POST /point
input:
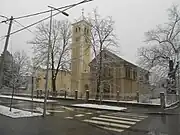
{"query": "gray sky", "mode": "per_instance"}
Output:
(132, 18)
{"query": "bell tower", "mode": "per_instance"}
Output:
(81, 53)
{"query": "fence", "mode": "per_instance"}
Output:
(114, 96)
(165, 100)
(145, 98)
(171, 98)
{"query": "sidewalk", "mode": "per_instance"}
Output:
(131, 106)
(26, 99)
(51, 125)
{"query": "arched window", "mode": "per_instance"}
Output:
(85, 30)
(76, 29)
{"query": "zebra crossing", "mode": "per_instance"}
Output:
(117, 123)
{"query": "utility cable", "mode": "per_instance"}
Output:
(24, 27)
(44, 19)
(42, 12)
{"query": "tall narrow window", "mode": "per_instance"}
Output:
(77, 39)
(128, 73)
(109, 71)
(119, 72)
(134, 75)
(84, 30)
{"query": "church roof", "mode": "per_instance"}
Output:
(110, 54)
(81, 21)
(118, 59)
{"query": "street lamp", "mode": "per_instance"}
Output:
(47, 66)
(64, 13)
(4, 17)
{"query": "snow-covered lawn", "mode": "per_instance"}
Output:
(103, 107)
(26, 98)
(39, 109)
(16, 113)
(155, 101)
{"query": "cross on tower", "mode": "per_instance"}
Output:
(83, 13)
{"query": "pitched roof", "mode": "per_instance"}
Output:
(118, 58)
(114, 56)
(80, 22)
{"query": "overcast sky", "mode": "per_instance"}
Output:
(132, 18)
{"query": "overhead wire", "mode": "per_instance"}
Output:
(43, 12)
(68, 7)
(2, 38)
(24, 27)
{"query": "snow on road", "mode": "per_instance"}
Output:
(103, 107)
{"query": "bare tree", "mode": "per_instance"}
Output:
(60, 47)
(164, 45)
(164, 40)
(20, 69)
(102, 37)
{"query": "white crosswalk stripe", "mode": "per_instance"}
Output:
(107, 123)
(115, 123)
(89, 113)
(112, 120)
(79, 115)
(120, 118)
(131, 115)
(112, 129)
(68, 117)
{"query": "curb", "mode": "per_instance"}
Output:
(29, 100)
(161, 113)
(124, 104)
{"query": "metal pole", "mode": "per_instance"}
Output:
(178, 89)
(13, 84)
(32, 89)
(46, 84)
(4, 52)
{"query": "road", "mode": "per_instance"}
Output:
(67, 121)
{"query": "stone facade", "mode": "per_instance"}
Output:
(118, 75)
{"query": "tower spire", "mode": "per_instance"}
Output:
(83, 14)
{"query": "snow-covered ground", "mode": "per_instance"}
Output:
(150, 101)
(96, 106)
(155, 101)
(26, 98)
(132, 101)
(16, 113)
(39, 109)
